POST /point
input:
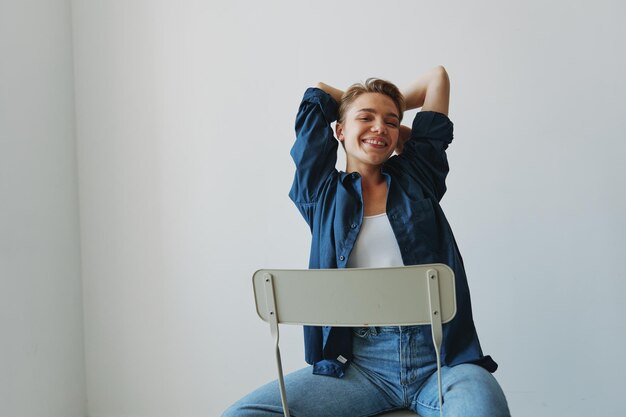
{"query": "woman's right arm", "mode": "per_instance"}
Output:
(335, 93)
(315, 149)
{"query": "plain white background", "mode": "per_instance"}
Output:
(180, 115)
(42, 370)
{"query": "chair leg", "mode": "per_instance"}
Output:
(271, 305)
(435, 325)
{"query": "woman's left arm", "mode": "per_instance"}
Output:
(430, 91)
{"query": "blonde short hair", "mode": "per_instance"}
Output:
(371, 85)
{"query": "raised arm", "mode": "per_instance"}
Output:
(430, 91)
(315, 150)
(335, 93)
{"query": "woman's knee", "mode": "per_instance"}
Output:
(476, 388)
(251, 410)
(470, 376)
(230, 412)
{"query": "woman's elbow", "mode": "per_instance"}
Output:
(440, 73)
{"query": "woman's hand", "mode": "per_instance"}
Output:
(335, 93)
(405, 135)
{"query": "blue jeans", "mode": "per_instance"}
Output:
(393, 368)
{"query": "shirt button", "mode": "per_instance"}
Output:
(341, 258)
(353, 225)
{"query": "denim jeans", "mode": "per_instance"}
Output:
(393, 368)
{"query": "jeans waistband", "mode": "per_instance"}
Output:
(395, 329)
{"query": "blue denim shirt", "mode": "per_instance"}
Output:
(332, 205)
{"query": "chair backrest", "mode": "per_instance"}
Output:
(402, 296)
(356, 296)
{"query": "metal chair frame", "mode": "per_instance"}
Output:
(356, 297)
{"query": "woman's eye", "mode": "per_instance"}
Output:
(392, 124)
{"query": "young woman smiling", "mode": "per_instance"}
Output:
(382, 211)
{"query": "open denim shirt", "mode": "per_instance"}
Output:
(331, 203)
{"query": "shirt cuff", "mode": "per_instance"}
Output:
(328, 105)
(432, 125)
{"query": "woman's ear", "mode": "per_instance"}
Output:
(339, 131)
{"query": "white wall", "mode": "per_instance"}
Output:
(185, 118)
(41, 341)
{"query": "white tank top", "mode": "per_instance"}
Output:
(376, 245)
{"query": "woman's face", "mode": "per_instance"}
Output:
(370, 131)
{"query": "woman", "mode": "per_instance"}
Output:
(383, 211)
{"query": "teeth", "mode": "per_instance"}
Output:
(375, 142)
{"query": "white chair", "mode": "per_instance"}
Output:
(403, 296)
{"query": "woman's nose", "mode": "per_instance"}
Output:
(379, 126)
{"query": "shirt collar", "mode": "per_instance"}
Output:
(352, 176)
(348, 176)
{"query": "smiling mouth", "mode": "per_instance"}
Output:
(375, 142)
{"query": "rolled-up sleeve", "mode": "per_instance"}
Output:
(315, 150)
(425, 153)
